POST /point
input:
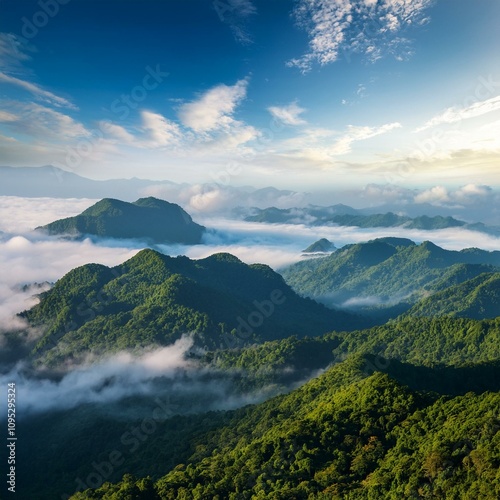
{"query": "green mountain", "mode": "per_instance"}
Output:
(153, 299)
(387, 269)
(386, 381)
(151, 219)
(477, 298)
(321, 246)
(354, 432)
(426, 341)
(308, 214)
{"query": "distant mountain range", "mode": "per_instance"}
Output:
(50, 181)
(385, 271)
(153, 299)
(343, 215)
(54, 182)
(149, 219)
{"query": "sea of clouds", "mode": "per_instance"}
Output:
(28, 257)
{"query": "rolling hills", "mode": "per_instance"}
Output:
(407, 409)
(401, 404)
(386, 270)
(152, 299)
(356, 431)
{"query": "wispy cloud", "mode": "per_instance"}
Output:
(215, 108)
(12, 51)
(37, 91)
(116, 132)
(354, 134)
(236, 13)
(288, 115)
(13, 55)
(456, 114)
(323, 145)
(206, 126)
(160, 130)
(42, 122)
(5, 116)
(367, 27)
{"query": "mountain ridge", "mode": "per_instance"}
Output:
(343, 215)
(386, 268)
(152, 299)
(148, 218)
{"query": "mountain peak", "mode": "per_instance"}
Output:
(149, 219)
(323, 245)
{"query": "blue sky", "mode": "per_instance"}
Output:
(302, 94)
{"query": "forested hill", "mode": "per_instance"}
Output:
(153, 299)
(385, 268)
(477, 298)
(151, 219)
(412, 376)
(356, 431)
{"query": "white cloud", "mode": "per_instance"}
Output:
(326, 23)
(227, 143)
(323, 145)
(154, 131)
(215, 108)
(19, 214)
(117, 132)
(160, 130)
(473, 191)
(375, 194)
(32, 258)
(107, 380)
(354, 134)
(437, 194)
(345, 26)
(12, 55)
(37, 91)
(279, 245)
(12, 301)
(42, 122)
(219, 196)
(470, 194)
(456, 114)
(288, 115)
(5, 116)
